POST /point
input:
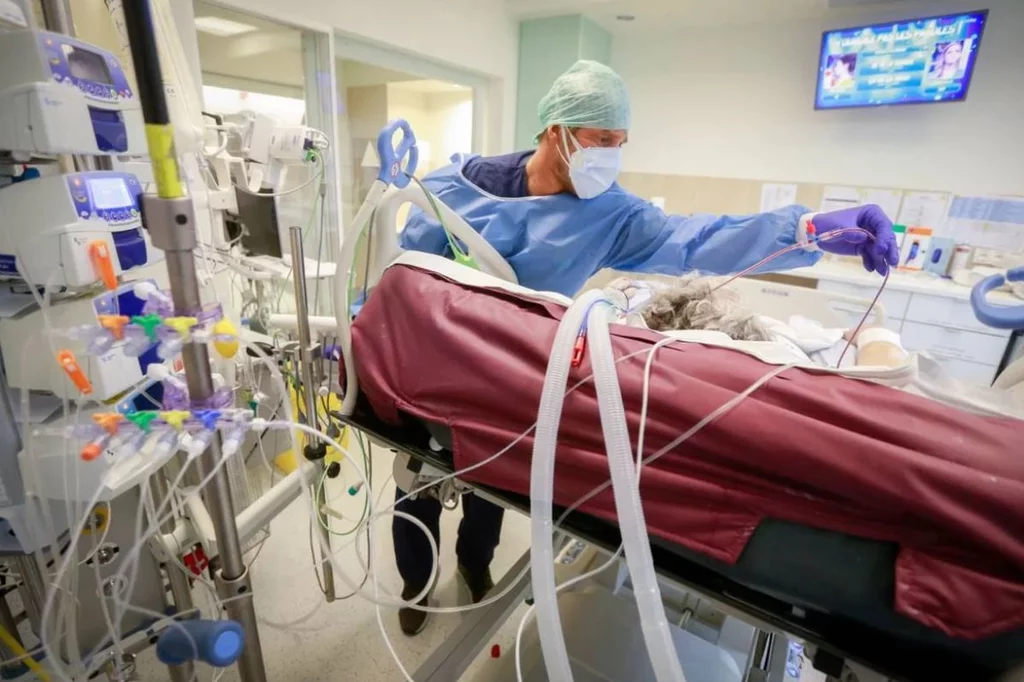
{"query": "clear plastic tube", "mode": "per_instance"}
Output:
(633, 526)
(542, 484)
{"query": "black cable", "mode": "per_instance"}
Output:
(138, 20)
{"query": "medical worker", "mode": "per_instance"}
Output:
(557, 216)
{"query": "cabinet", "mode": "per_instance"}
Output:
(943, 326)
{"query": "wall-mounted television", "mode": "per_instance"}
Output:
(901, 62)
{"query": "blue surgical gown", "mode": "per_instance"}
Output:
(556, 243)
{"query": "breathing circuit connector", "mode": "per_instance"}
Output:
(579, 349)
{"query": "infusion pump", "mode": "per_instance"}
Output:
(59, 95)
(73, 230)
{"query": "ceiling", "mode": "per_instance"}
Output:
(677, 14)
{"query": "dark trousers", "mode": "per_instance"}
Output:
(479, 534)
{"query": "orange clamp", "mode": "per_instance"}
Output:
(69, 364)
(114, 324)
(99, 254)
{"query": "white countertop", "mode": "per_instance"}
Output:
(915, 282)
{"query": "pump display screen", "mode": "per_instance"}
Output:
(109, 193)
(87, 66)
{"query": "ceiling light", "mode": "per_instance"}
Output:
(222, 27)
(625, 17)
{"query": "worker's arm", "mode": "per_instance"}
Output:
(651, 241)
(423, 234)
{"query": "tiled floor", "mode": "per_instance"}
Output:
(341, 641)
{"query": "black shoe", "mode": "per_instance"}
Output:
(412, 620)
(479, 584)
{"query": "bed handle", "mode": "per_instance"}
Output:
(392, 156)
(998, 316)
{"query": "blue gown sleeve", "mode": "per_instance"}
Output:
(653, 242)
(423, 234)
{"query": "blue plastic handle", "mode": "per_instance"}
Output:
(392, 157)
(217, 642)
(998, 316)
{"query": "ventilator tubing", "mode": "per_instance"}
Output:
(542, 483)
(632, 526)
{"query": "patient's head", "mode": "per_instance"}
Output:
(691, 304)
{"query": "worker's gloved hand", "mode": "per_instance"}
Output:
(878, 254)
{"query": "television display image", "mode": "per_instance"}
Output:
(903, 62)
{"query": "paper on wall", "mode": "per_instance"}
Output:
(924, 209)
(838, 197)
(987, 223)
(887, 199)
(776, 195)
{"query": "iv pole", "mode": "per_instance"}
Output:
(170, 219)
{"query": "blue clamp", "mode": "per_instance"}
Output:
(998, 316)
(216, 642)
(392, 157)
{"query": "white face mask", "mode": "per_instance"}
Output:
(592, 170)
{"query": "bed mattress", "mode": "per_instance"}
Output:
(811, 448)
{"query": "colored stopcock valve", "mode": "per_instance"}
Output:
(70, 365)
(149, 324)
(143, 419)
(208, 418)
(109, 421)
(175, 418)
(114, 324)
(182, 325)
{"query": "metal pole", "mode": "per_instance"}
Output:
(306, 360)
(170, 219)
(181, 591)
(57, 16)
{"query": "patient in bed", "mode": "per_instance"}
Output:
(693, 303)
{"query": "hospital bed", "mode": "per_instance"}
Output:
(886, 566)
(830, 587)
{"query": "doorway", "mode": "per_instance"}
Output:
(440, 113)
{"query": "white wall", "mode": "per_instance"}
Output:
(442, 120)
(739, 103)
(473, 35)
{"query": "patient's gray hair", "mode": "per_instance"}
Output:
(691, 304)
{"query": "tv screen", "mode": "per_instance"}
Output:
(904, 62)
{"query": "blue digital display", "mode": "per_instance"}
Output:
(904, 62)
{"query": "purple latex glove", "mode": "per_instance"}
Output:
(878, 255)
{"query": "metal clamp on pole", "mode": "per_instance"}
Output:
(308, 355)
(170, 220)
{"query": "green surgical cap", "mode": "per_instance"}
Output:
(588, 95)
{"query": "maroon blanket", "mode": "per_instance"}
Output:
(821, 450)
